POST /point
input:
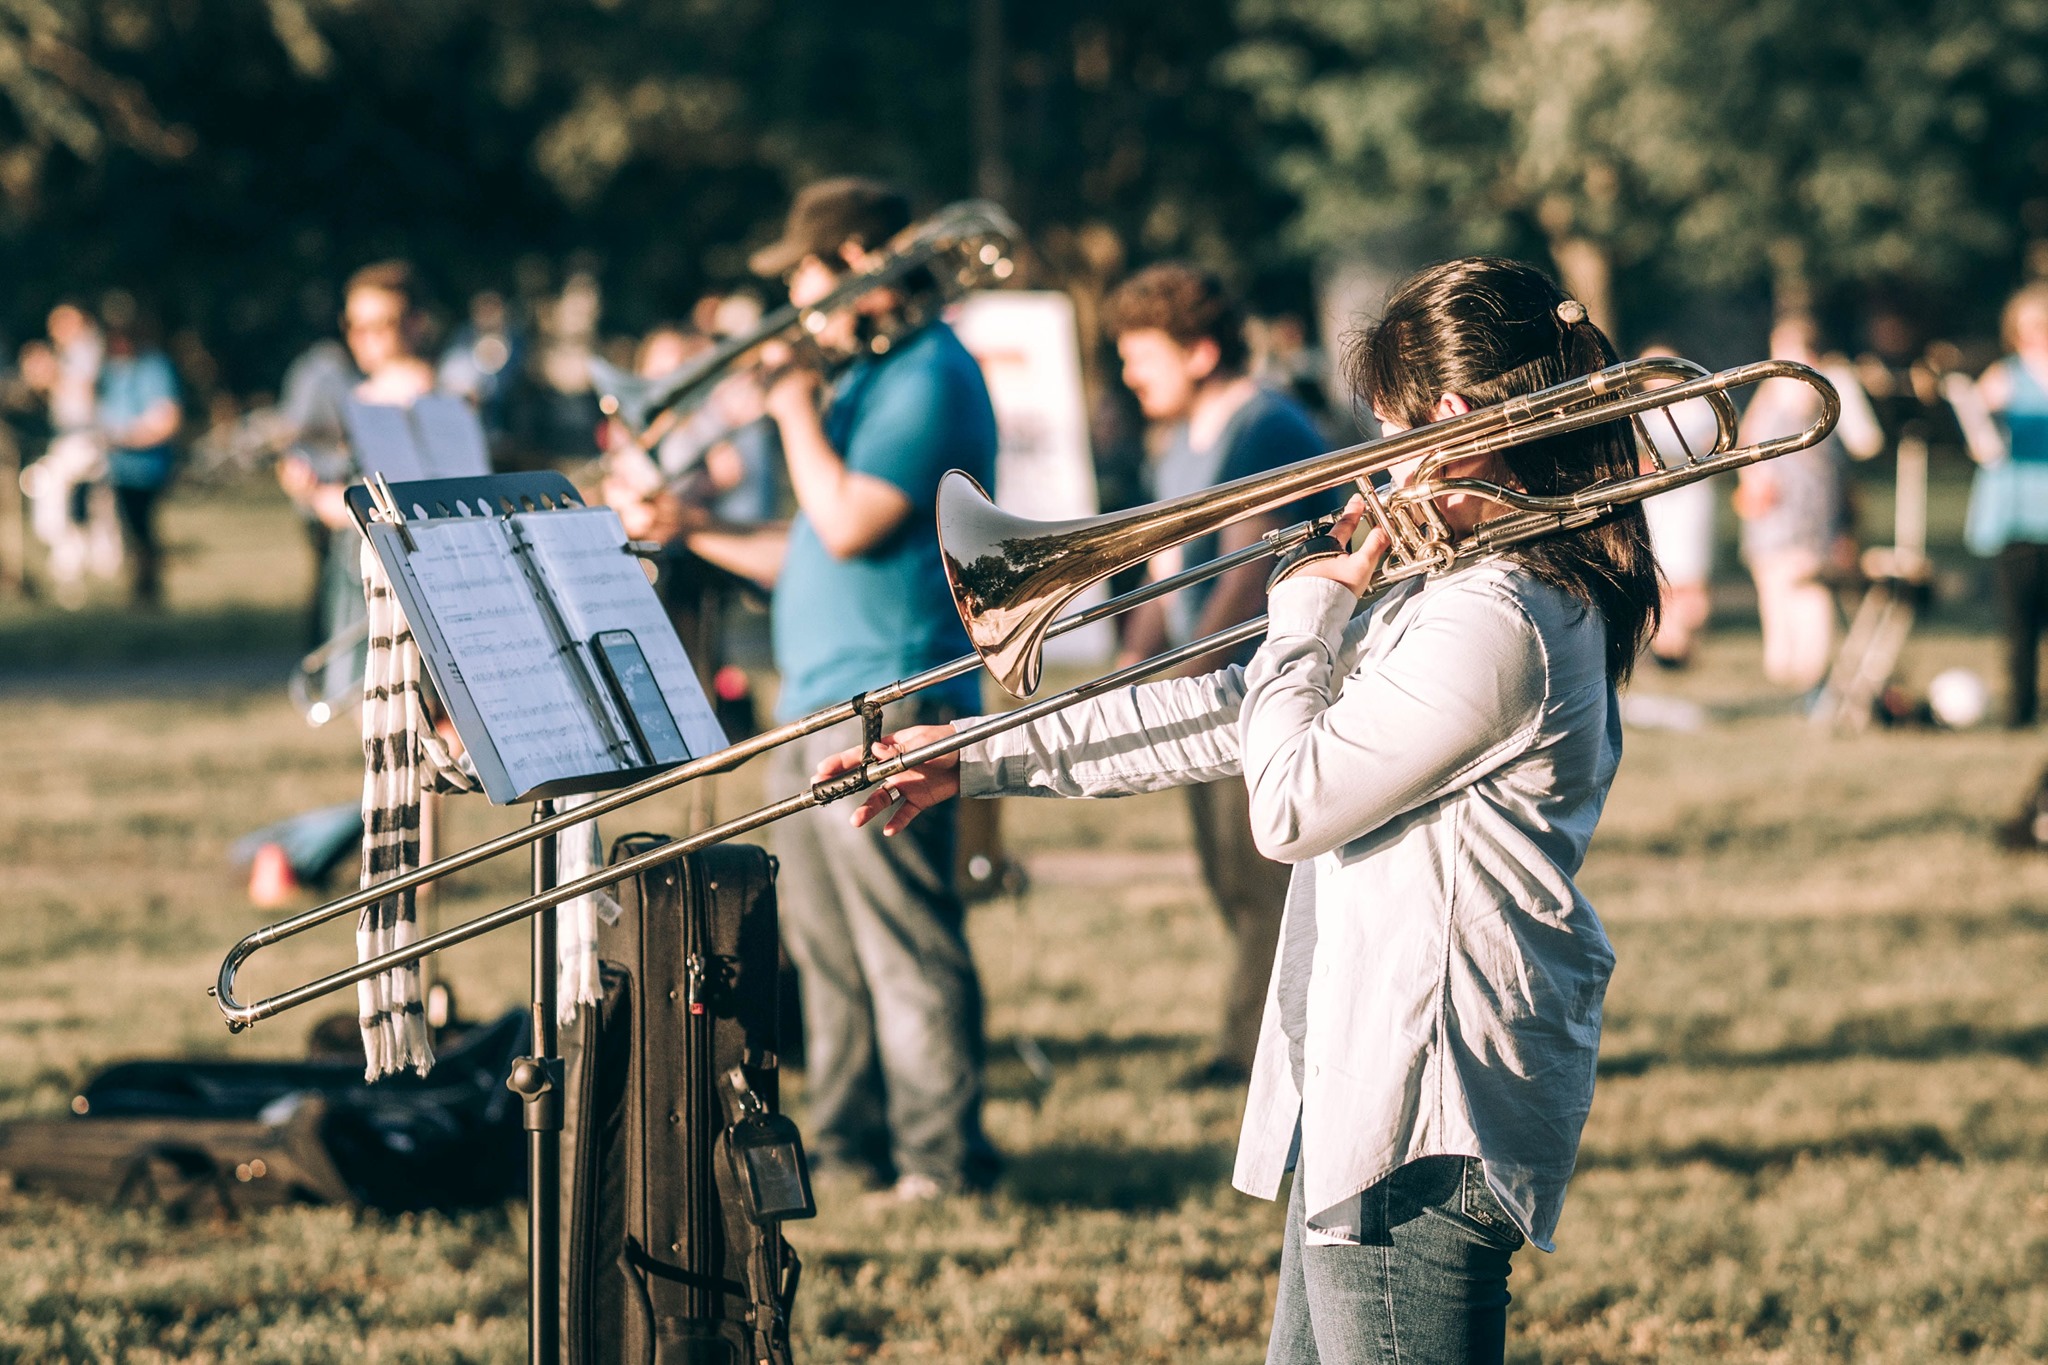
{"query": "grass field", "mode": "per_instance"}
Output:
(1821, 1131)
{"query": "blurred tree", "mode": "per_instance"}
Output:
(491, 140)
(1851, 143)
(1803, 143)
(61, 98)
(1473, 125)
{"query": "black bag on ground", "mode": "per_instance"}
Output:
(676, 1168)
(187, 1134)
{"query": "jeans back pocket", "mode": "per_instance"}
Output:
(1479, 1203)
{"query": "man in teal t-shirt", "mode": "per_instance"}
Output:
(892, 1002)
(848, 619)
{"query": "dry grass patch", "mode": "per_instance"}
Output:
(1820, 1131)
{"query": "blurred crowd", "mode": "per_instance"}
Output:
(109, 407)
(106, 416)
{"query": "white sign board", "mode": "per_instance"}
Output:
(1030, 354)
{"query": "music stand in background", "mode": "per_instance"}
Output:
(553, 658)
(437, 437)
(1898, 578)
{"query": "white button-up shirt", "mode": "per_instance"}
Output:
(1433, 769)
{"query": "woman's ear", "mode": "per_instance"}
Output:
(1450, 405)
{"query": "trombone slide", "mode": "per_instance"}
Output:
(1012, 577)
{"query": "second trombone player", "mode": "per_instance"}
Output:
(892, 1001)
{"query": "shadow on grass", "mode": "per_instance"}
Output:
(1878, 1037)
(1895, 1147)
(1102, 1176)
(1010, 1076)
(47, 640)
(1102, 1047)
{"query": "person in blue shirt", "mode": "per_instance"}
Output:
(139, 414)
(2008, 516)
(892, 1001)
(1181, 337)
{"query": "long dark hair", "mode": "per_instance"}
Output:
(1491, 329)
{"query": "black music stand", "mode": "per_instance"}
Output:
(441, 543)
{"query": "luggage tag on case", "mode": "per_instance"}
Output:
(767, 1156)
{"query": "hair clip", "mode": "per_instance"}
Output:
(1571, 312)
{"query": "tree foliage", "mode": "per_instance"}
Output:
(1800, 142)
(494, 140)
(234, 159)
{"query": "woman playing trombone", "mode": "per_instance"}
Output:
(1433, 768)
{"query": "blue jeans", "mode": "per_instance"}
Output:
(1428, 1285)
(892, 1003)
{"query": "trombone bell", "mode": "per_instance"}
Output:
(1010, 576)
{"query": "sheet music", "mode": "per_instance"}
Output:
(599, 586)
(451, 437)
(383, 441)
(507, 659)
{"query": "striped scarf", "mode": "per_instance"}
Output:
(402, 756)
(579, 852)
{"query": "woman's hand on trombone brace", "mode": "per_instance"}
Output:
(1354, 568)
(920, 788)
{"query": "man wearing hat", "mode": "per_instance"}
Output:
(892, 1002)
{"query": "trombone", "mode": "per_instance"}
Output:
(1012, 578)
(317, 699)
(961, 247)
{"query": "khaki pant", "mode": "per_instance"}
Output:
(893, 1045)
(1251, 891)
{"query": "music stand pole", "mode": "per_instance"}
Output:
(537, 1080)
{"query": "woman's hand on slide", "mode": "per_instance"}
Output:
(1353, 570)
(920, 788)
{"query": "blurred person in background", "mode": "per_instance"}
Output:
(720, 459)
(569, 416)
(485, 362)
(1181, 337)
(892, 1000)
(1796, 524)
(2008, 515)
(61, 483)
(1681, 524)
(139, 414)
(382, 325)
